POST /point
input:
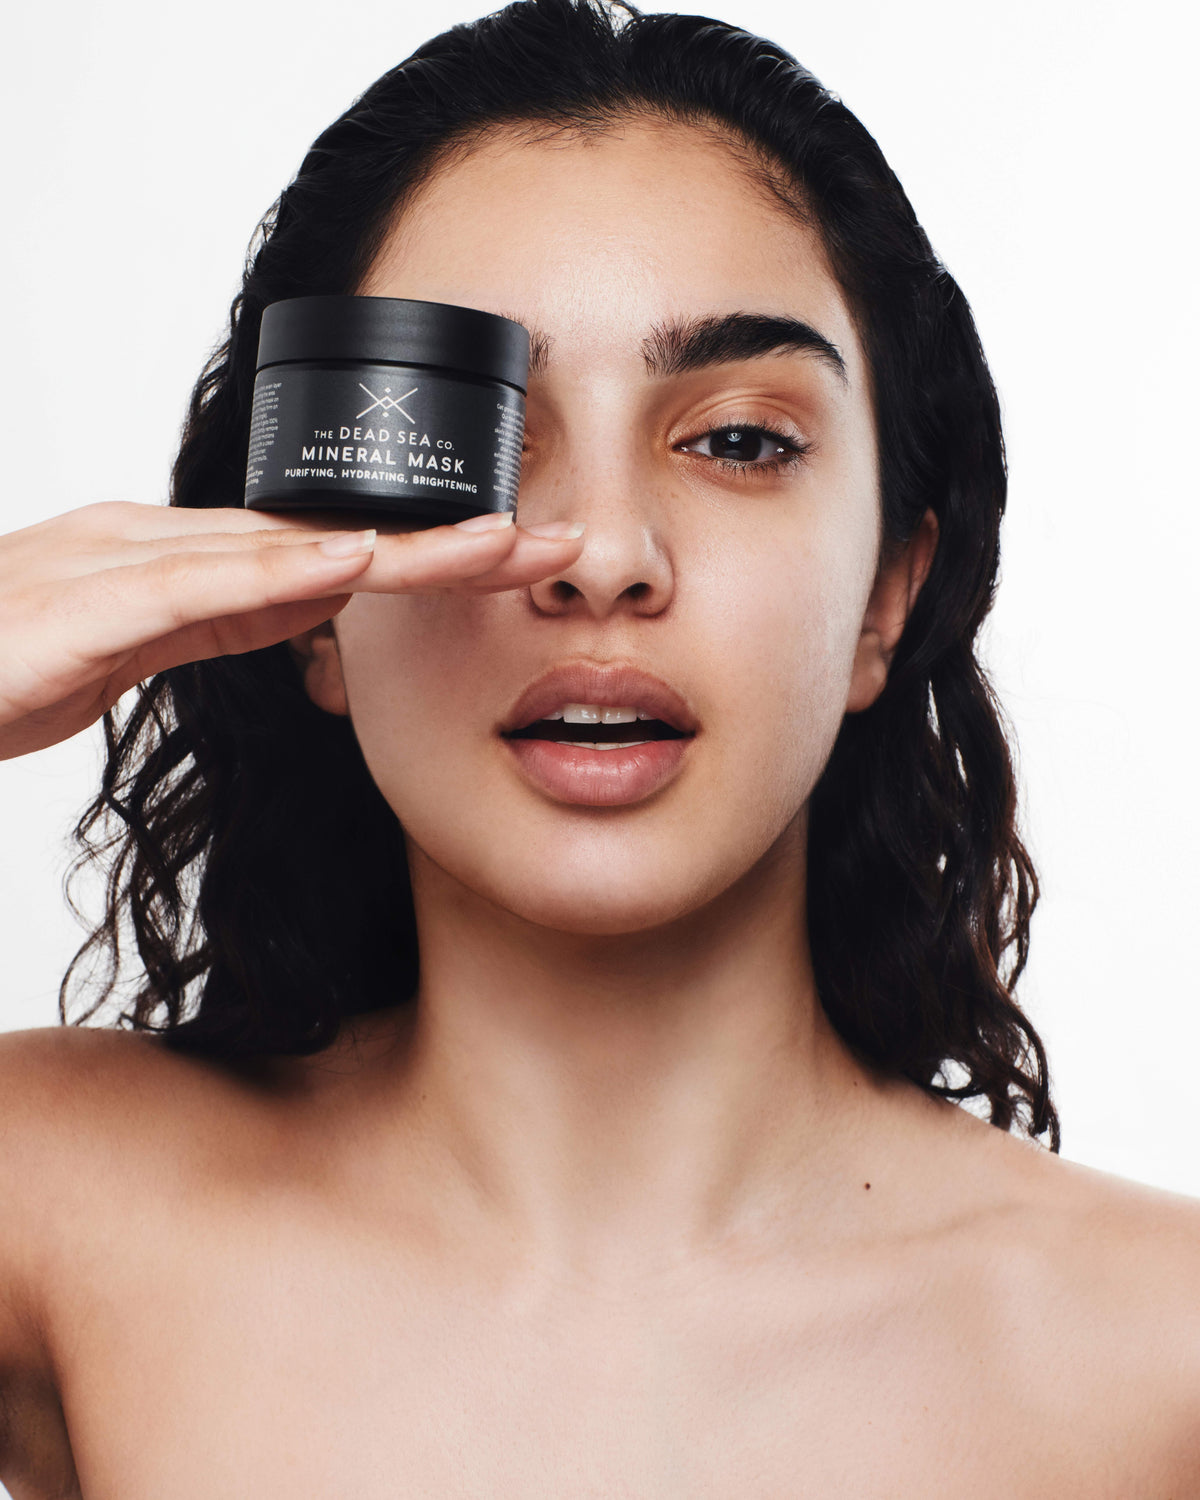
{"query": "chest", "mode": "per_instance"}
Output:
(272, 1367)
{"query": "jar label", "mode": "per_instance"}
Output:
(391, 437)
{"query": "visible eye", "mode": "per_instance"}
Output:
(746, 448)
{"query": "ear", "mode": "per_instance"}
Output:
(893, 595)
(316, 653)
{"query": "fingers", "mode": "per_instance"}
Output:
(88, 611)
(447, 559)
(103, 597)
(74, 558)
(437, 569)
(160, 590)
(408, 555)
(133, 604)
(531, 559)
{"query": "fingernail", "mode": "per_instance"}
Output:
(347, 543)
(491, 520)
(559, 531)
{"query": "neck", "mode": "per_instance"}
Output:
(609, 1100)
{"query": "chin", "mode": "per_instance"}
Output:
(610, 915)
(599, 896)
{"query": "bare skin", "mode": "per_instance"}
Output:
(612, 1211)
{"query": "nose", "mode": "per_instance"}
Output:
(625, 565)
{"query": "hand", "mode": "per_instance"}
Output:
(96, 600)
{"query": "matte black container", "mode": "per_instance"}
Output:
(410, 409)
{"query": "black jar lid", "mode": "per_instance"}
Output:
(395, 330)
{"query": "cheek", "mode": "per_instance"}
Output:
(785, 630)
(413, 681)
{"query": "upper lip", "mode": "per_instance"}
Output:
(615, 685)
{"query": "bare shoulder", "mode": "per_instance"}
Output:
(1095, 1284)
(59, 1087)
(86, 1117)
(70, 1086)
(74, 1105)
(1109, 1233)
(94, 1122)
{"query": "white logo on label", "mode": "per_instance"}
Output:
(387, 402)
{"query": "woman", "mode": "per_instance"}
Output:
(498, 1113)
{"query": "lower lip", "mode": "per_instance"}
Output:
(599, 778)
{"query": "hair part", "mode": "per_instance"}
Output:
(259, 869)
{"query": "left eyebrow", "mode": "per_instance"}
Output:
(692, 344)
(673, 348)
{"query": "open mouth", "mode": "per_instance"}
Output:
(574, 756)
(563, 733)
(599, 735)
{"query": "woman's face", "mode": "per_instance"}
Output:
(744, 589)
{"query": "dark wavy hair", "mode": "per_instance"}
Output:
(249, 855)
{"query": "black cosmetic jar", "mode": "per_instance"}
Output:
(413, 410)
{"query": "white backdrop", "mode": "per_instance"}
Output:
(1047, 148)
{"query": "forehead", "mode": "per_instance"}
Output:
(597, 238)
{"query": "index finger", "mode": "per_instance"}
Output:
(438, 560)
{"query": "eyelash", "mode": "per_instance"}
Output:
(747, 469)
(795, 452)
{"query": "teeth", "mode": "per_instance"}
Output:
(607, 744)
(595, 713)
